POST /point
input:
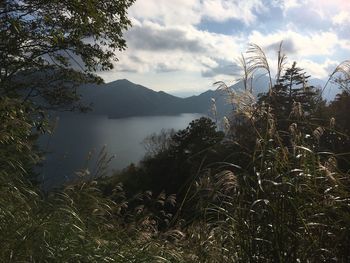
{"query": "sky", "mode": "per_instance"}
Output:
(184, 46)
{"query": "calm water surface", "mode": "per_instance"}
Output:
(77, 135)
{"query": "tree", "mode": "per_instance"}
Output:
(175, 161)
(48, 48)
(200, 135)
(15, 138)
(292, 99)
(157, 143)
(340, 110)
(291, 107)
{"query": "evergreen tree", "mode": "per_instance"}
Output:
(292, 99)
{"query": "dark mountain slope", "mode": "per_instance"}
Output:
(122, 98)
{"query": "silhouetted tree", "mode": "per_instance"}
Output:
(173, 167)
(292, 98)
(49, 47)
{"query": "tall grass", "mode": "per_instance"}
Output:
(289, 202)
(74, 224)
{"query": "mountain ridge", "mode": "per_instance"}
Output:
(123, 98)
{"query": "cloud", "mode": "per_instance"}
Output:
(223, 10)
(318, 70)
(288, 45)
(308, 19)
(342, 19)
(300, 44)
(318, 52)
(177, 38)
(341, 23)
(345, 44)
(289, 4)
(322, 7)
(165, 12)
(222, 67)
(159, 48)
(157, 38)
(311, 15)
(191, 12)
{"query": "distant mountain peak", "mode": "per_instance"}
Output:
(122, 81)
(122, 98)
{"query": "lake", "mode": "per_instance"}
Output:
(78, 138)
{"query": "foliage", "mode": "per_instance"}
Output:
(16, 138)
(50, 47)
(287, 201)
(198, 136)
(281, 193)
(73, 225)
(174, 159)
(339, 109)
(339, 136)
(47, 49)
(157, 143)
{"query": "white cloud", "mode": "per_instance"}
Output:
(325, 5)
(167, 12)
(165, 37)
(342, 18)
(166, 41)
(303, 45)
(226, 9)
(191, 12)
(306, 49)
(345, 44)
(289, 4)
(158, 48)
(318, 70)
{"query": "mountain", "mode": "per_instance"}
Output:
(122, 98)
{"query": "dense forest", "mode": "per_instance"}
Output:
(272, 186)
